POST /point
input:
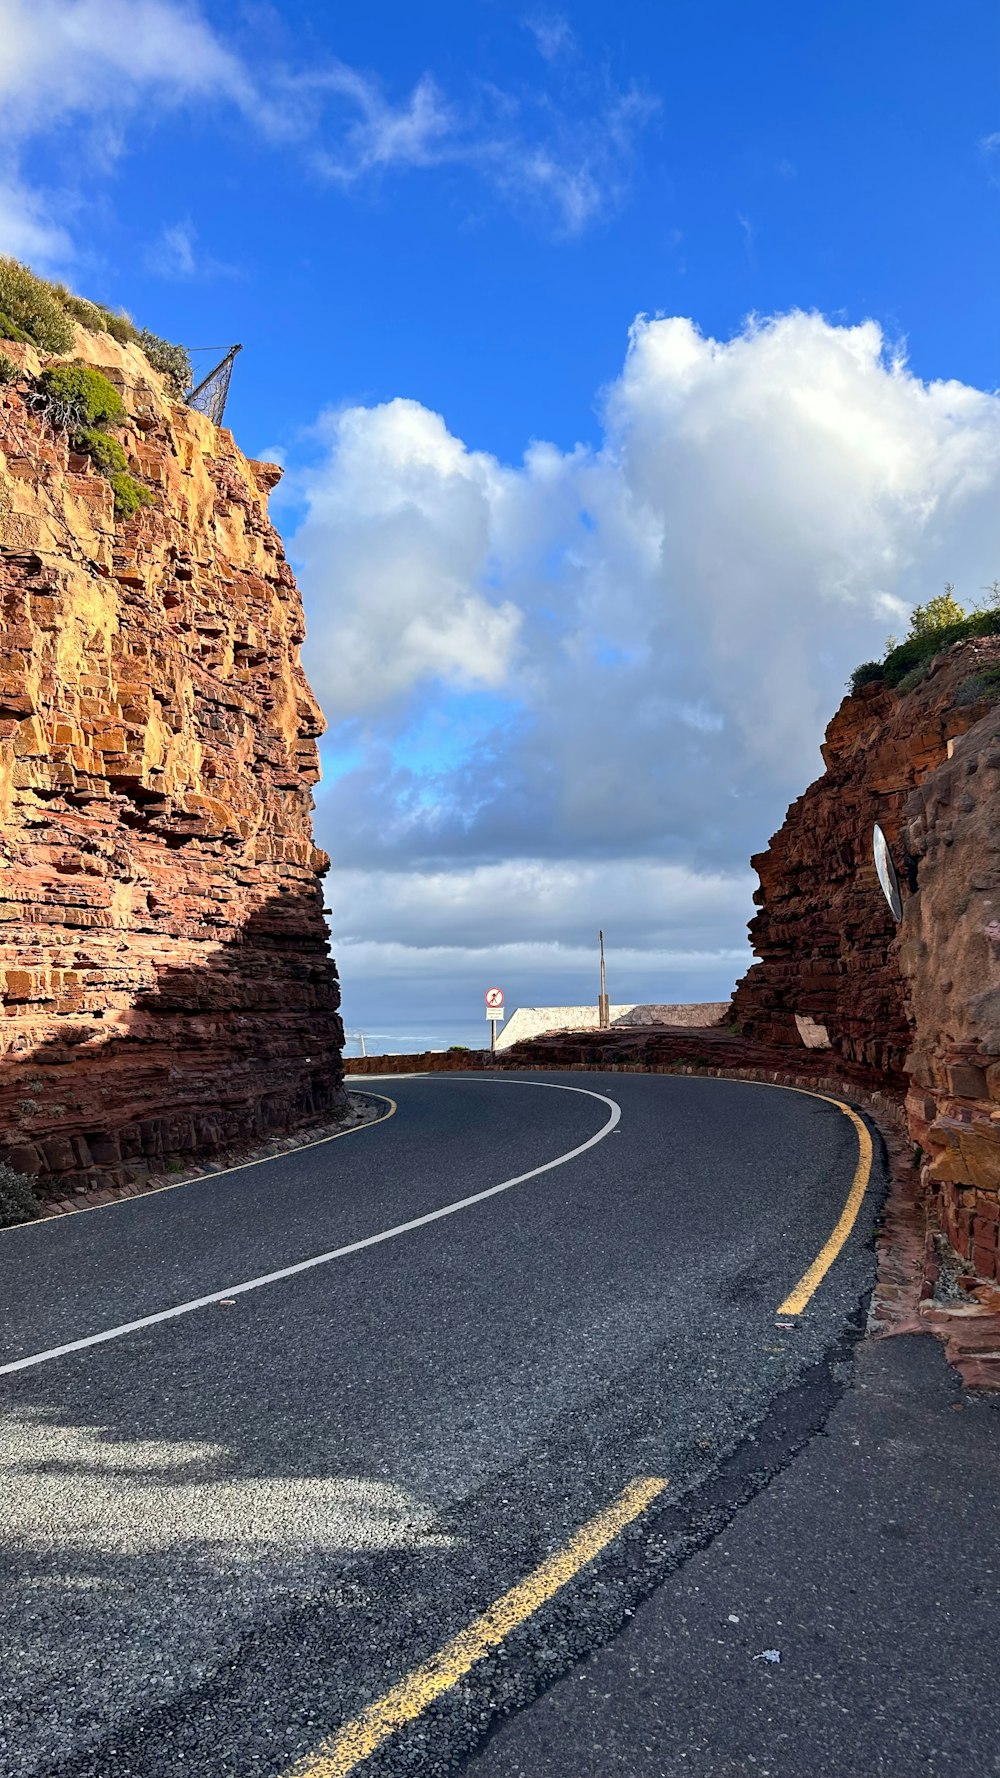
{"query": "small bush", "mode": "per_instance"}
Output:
(105, 452)
(120, 326)
(171, 361)
(9, 371)
(130, 495)
(33, 305)
(866, 674)
(979, 687)
(914, 677)
(77, 395)
(9, 330)
(17, 1199)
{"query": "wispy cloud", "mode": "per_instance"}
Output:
(562, 153)
(553, 34)
(175, 254)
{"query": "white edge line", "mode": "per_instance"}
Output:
(322, 1259)
(177, 1185)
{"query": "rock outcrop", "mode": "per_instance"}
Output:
(914, 1008)
(164, 971)
(949, 955)
(825, 934)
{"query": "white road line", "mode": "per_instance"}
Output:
(323, 1259)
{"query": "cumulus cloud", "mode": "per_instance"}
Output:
(665, 622)
(407, 518)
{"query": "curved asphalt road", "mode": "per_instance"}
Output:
(225, 1534)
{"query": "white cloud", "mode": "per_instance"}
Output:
(97, 63)
(666, 623)
(172, 256)
(418, 133)
(176, 254)
(553, 34)
(538, 901)
(407, 519)
(67, 57)
(28, 229)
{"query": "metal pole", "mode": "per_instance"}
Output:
(493, 1037)
(603, 1010)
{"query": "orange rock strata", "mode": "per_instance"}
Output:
(164, 971)
(825, 935)
(918, 1006)
(949, 952)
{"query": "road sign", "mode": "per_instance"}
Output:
(495, 1014)
(887, 872)
(494, 998)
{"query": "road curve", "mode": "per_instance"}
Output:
(229, 1532)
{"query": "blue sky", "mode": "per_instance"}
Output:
(579, 608)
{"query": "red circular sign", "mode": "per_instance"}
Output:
(494, 996)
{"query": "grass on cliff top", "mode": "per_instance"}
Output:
(934, 628)
(33, 309)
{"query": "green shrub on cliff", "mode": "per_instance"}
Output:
(130, 495)
(901, 661)
(78, 398)
(105, 452)
(32, 305)
(17, 1199)
(979, 686)
(934, 628)
(77, 395)
(9, 329)
(866, 674)
(9, 371)
(171, 361)
(33, 309)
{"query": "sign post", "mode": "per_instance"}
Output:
(494, 1012)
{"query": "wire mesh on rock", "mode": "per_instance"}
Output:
(210, 395)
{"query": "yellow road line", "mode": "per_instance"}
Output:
(797, 1299)
(409, 1699)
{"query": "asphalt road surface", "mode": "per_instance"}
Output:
(228, 1532)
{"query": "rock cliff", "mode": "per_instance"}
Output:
(824, 933)
(949, 956)
(164, 970)
(915, 1008)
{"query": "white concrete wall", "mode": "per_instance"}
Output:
(532, 1021)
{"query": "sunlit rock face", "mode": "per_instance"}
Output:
(164, 970)
(824, 933)
(949, 952)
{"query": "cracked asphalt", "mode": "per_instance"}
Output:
(224, 1534)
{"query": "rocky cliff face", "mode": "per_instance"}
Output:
(949, 955)
(164, 970)
(914, 1007)
(825, 935)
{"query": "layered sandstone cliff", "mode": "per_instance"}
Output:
(949, 956)
(164, 971)
(824, 933)
(915, 1008)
